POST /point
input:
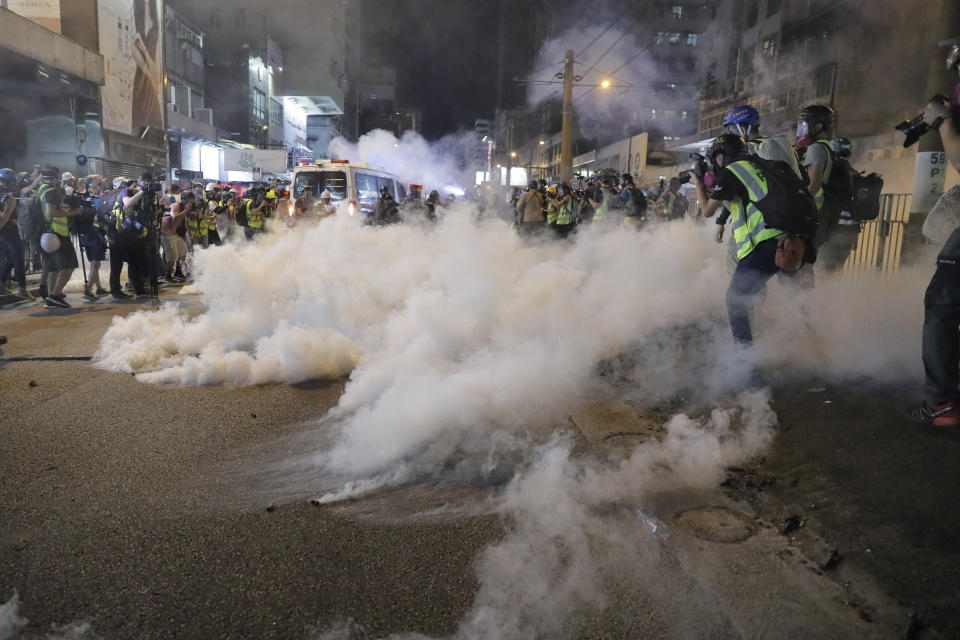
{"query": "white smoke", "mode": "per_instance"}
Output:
(13, 626)
(619, 55)
(452, 334)
(410, 157)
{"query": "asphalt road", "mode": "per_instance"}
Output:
(147, 511)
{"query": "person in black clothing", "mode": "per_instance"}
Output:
(941, 321)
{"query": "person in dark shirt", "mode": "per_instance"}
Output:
(941, 321)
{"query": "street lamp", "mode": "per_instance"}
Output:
(605, 84)
(542, 142)
(513, 154)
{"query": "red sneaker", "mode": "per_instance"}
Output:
(949, 417)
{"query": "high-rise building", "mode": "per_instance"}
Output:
(294, 55)
(781, 55)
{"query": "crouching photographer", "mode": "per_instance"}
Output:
(941, 322)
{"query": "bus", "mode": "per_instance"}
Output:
(358, 184)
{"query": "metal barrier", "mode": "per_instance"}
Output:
(880, 243)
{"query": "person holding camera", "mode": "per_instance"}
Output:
(256, 209)
(131, 214)
(60, 258)
(738, 185)
(173, 243)
(941, 321)
(11, 247)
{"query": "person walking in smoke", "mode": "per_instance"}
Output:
(431, 204)
(941, 321)
(744, 121)
(529, 210)
(739, 185)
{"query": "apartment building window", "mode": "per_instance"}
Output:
(259, 104)
(769, 48)
(276, 113)
(677, 11)
(693, 39)
(823, 80)
(674, 37)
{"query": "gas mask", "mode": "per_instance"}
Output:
(804, 138)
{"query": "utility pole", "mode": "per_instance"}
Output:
(566, 144)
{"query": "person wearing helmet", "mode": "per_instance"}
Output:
(325, 207)
(529, 210)
(209, 202)
(607, 211)
(60, 258)
(739, 184)
(11, 247)
(835, 241)
(814, 130)
(567, 207)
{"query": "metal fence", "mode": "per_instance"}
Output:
(880, 243)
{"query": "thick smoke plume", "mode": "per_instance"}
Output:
(454, 333)
(410, 157)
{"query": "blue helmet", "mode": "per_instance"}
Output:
(743, 114)
(8, 178)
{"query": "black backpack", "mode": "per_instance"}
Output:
(240, 213)
(849, 194)
(638, 203)
(788, 205)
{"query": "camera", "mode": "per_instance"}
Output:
(683, 177)
(700, 166)
(915, 128)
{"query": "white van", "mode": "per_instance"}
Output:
(356, 183)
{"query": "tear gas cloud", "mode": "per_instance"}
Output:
(411, 158)
(14, 626)
(462, 330)
(617, 54)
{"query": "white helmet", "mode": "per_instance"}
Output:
(66, 176)
(210, 187)
(120, 181)
(326, 195)
(50, 242)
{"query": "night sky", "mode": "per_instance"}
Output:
(445, 52)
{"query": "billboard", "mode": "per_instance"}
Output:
(266, 160)
(46, 13)
(131, 40)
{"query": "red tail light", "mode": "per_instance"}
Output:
(352, 207)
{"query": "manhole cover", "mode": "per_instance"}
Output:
(716, 524)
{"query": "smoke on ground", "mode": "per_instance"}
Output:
(13, 626)
(457, 332)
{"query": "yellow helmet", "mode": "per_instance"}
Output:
(552, 189)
